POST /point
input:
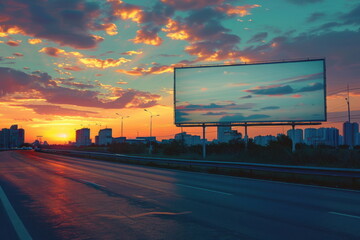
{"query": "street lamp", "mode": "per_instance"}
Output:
(122, 122)
(151, 116)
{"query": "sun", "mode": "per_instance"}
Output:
(63, 135)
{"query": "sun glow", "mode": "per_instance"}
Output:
(63, 135)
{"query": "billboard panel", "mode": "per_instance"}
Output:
(291, 91)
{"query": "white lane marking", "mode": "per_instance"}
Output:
(204, 189)
(345, 215)
(19, 227)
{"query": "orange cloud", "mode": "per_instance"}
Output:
(238, 10)
(127, 11)
(57, 52)
(34, 41)
(72, 68)
(174, 31)
(110, 29)
(98, 63)
(122, 83)
(296, 96)
(12, 43)
(130, 53)
(6, 30)
(138, 71)
(147, 37)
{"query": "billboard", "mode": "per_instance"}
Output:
(292, 91)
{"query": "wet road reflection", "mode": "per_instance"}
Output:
(88, 199)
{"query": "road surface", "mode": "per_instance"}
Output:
(62, 197)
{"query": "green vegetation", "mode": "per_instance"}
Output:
(277, 152)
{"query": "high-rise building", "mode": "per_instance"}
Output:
(328, 136)
(322, 136)
(105, 136)
(296, 135)
(310, 136)
(83, 137)
(225, 134)
(350, 130)
(13, 137)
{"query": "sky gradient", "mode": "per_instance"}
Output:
(66, 64)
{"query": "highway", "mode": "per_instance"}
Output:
(62, 197)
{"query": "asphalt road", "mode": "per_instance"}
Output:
(61, 197)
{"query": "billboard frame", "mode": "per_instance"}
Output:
(254, 123)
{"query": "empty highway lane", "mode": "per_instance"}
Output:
(62, 197)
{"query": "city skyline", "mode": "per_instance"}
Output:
(310, 136)
(73, 65)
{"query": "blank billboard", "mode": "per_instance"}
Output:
(265, 92)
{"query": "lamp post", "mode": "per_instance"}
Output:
(150, 141)
(122, 122)
(151, 117)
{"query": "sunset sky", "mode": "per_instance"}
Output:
(67, 64)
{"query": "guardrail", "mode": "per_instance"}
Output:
(337, 172)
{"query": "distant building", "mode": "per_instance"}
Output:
(188, 139)
(264, 140)
(136, 141)
(167, 141)
(83, 137)
(310, 136)
(13, 137)
(296, 135)
(105, 136)
(322, 136)
(341, 140)
(328, 136)
(350, 130)
(119, 140)
(357, 139)
(225, 134)
(147, 139)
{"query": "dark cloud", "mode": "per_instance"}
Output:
(57, 110)
(169, 55)
(180, 116)
(214, 113)
(66, 22)
(12, 43)
(241, 118)
(341, 49)
(245, 97)
(304, 2)
(18, 54)
(191, 4)
(233, 106)
(285, 89)
(311, 88)
(270, 108)
(303, 78)
(14, 81)
(353, 17)
(77, 84)
(315, 16)
(258, 37)
(281, 90)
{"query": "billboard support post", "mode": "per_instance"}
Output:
(204, 142)
(246, 138)
(293, 148)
